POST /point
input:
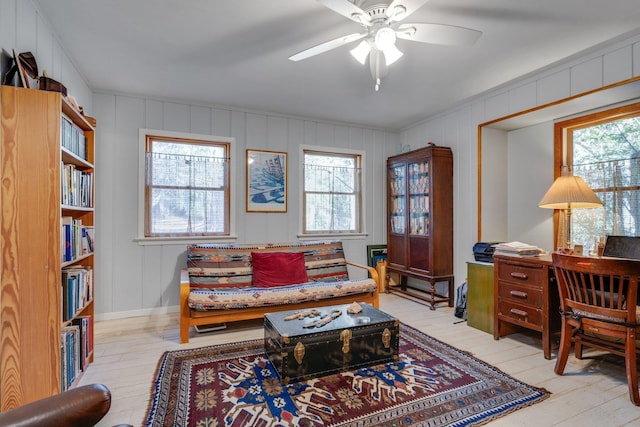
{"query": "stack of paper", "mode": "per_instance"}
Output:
(517, 249)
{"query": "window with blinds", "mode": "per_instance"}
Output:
(332, 195)
(186, 187)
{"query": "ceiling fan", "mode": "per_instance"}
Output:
(382, 21)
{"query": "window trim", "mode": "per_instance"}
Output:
(340, 151)
(141, 239)
(563, 138)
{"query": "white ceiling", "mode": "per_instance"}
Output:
(234, 53)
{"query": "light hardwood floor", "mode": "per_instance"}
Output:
(593, 391)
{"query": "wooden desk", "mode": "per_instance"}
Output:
(526, 295)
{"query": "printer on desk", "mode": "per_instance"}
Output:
(483, 251)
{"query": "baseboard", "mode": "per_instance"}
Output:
(155, 311)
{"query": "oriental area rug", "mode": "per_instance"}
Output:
(431, 384)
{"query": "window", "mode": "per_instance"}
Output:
(186, 186)
(604, 149)
(332, 192)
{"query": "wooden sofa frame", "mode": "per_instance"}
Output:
(190, 317)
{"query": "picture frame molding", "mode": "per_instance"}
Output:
(253, 174)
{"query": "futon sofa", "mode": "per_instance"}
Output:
(226, 283)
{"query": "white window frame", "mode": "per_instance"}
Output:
(363, 192)
(142, 239)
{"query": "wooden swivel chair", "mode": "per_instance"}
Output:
(598, 300)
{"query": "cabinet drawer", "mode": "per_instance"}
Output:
(521, 294)
(532, 275)
(522, 313)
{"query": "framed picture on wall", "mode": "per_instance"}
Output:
(266, 181)
(375, 254)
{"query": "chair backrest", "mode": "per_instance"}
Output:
(601, 288)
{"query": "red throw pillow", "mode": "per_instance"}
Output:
(278, 269)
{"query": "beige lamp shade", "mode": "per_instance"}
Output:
(569, 192)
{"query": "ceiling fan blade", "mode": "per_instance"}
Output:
(438, 34)
(409, 7)
(349, 10)
(326, 46)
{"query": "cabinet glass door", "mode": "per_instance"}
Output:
(398, 198)
(419, 198)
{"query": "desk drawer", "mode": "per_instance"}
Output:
(522, 313)
(531, 275)
(521, 294)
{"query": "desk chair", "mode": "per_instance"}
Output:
(598, 300)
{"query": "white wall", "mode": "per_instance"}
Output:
(24, 29)
(494, 157)
(529, 176)
(458, 128)
(138, 279)
(134, 279)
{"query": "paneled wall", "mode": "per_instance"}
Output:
(24, 29)
(458, 128)
(138, 279)
(143, 278)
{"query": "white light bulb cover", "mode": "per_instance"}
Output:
(391, 54)
(361, 51)
(384, 38)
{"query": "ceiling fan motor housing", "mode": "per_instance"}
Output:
(376, 9)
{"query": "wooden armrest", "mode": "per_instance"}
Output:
(372, 271)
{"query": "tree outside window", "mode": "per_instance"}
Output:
(186, 187)
(332, 196)
(605, 152)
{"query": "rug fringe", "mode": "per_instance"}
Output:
(152, 392)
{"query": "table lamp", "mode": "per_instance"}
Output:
(568, 192)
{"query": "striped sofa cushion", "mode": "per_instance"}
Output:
(229, 266)
(217, 299)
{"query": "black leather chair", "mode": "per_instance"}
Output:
(82, 406)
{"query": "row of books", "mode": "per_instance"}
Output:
(76, 239)
(77, 290)
(73, 138)
(76, 186)
(76, 346)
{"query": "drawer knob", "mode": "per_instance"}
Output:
(517, 312)
(517, 275)
(518, 294)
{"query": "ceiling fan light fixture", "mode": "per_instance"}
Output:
(391, 54)
(361, 51)
(384, 38)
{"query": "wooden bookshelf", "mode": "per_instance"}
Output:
(31, 161)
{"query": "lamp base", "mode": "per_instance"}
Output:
(563, 241)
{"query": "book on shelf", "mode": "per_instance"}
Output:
(73, 138)
(66, 238)
(76, 238)
(70, 355)
(77, 290)
(76, 186)
(85, 323)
